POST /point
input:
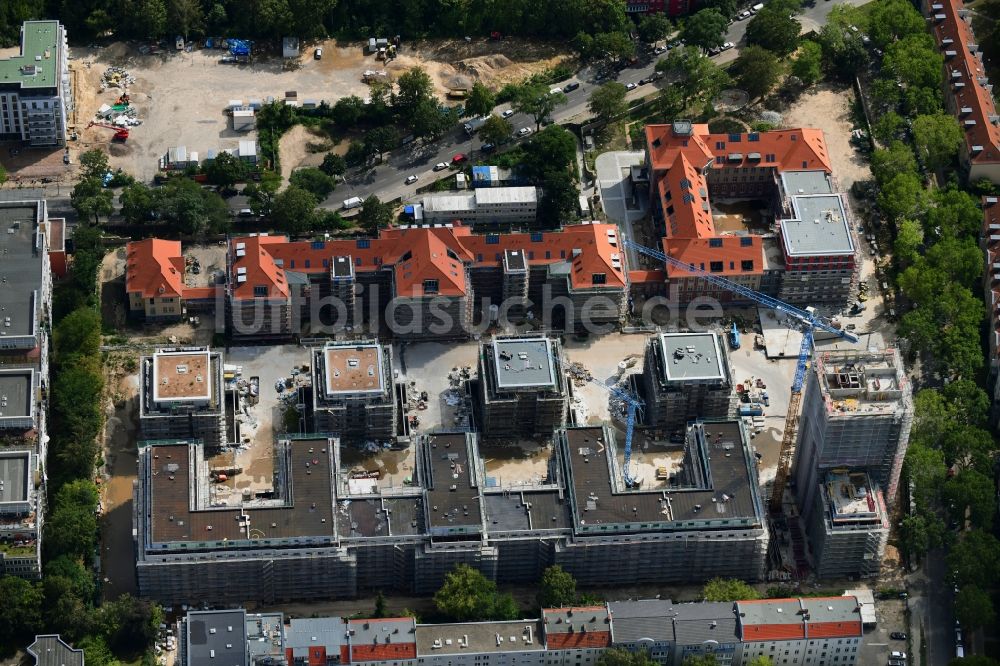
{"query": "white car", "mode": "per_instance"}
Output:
(524, 131)
(555, 91)
(745, 14)
(411, 179)
(440, 166)
(507, 114)
(727, 46)
(631, 86)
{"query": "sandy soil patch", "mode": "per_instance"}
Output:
(829, 109)
(294, 150)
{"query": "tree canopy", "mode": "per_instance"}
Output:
(775, 27)
(608, 101)
(729, 589)
(706, 28)
(468, 596)
(757, 71)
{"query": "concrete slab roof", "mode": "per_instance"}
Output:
(453, 492)
(21, 267)
(523, 363)
(14, 480)
(304, 633)
(182, 375)
(216, 638)
(480, 637)
(349, 368)
(693, 356)
(818, 227)
(806, 182)
(36, 65)
(15, 394)
(51, 650)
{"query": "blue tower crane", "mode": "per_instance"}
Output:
(632, 406)
(807, 321)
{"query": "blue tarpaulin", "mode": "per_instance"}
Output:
(239, 47)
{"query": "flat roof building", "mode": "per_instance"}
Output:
(849, 527)
(51, 650)
(353, 390)
(522, 387)
(181, 395)
(484, 205)
(35, 86)
(17, 398)
(214, 638)
(26, 274)
(686, 376)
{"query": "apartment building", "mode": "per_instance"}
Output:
(25, 316)
(425, 281)
(316, 535)
(522, 387)
(686, 376)
(808, 255)
(484, 205)
(154, 279)
(990, 244)
(802, 632)
(856, 418)
(967, 88)
(35, 91)
(181, 395)
(52, 650)
(353, 391)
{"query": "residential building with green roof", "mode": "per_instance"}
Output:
(35, 90)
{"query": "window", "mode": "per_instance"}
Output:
(688, 197)
(531, 255)
(562, 254)
(492, 239)
(548, 255)
(599, 278)
(326, 263)
(746, 241)
(667, 196)
(794, 137)
(716, 266)
(719, 159)
(536, 238)
(715, 242)
(753, 136)
(307, 263)
(746, 264)
(318, 245)
(720, 145)
(735, 138)
(357, 261)
(291, 263)
(364, 243)
(670, 209)
(769, 157)
(805, 164)
(685, 183)
(479, 257)
(260, 290)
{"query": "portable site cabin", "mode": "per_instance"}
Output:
(290, 47)
(248, 151)
(243, 119)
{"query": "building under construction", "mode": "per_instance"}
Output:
(686, 376)
(314, 536)
(849, 526)
(353, 397)
(856, 415)
(181, 396)
(522, 387)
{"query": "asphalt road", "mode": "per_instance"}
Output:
(387, 180)
(932, 603)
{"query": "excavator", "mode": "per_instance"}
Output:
(121, 133)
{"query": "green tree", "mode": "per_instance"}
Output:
(146, 18)
(955, 213)
(226, 170)
(974, 608)
(915, 61)
(700, 660)
(919, 533)
(185, 17)
(971, 491)
(414, 87)
(808, 62)
(374, 215)
(128, 624)
(261, 195)
(762, 660)
(380, 609)
(505, 608)
(495, 130)
(622, 657)
(654, 27)
(333, 165)
(190, 209)
(946, 331)
(903, 196)
(71, 528)
(897, 158)
(90, 199)
(94, 164)
(671, 103)
(975, 559)
(21, 610)
(888, 127)
(891, 20)
(96, 651)
(774, 28)
(608, 101)
(729, 589)
(347, 111)
(138, 203)
(382, 139)
(313, 180)
(614, 45)
(706, 28)
(974, 660)
(909, 239)
(77, 334)
(294, 210)
(428, 122)
(694, 74)
(757, 71)
(843, 50)
(480, 101)
(551, 150)
(466, 595)
(536, 101)
(3, 175)
(937, 138)
(557, 588)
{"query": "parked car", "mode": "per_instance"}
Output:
(570, 87)
(631, 86)
(743, 15)
(643, 82)
(411, 179)
(896, 654)
(459, 158)
(897, 636)
(555, 91)
(440, 166)
(727, 46)
(507, 114)
(318, 53)
(488, 148)
(524, 131)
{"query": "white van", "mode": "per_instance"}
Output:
(756, 8)
(353, 202)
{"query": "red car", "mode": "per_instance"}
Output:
(458, 158)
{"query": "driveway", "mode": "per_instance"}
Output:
(617, 195)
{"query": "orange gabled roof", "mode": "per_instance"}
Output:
(773, 632)
(664, 146)
(834, 629)
(965, 67)
(701, 252)
(424, 257)
(793, 149)
(253, 253)
(154, 268)
(684, 191)
(383, 652)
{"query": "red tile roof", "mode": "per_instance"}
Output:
(383, 652)
(951, 21)
(578, 639)
(773, 632)
(154, 268)
(701, 252)
(834, 629)
(430, 253)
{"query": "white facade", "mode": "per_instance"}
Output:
(35, 91)
(484, 204)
